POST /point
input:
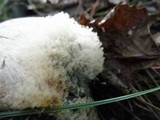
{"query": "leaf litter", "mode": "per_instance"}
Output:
(131, 56)
(129, 49)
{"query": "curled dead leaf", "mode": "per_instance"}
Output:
(124, 33)
(126, 39)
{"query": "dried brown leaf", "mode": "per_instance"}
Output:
(83, 20)
(126, 39)
(125, 35)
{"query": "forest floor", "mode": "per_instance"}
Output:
(130, 33)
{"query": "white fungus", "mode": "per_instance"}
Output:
(43, 58)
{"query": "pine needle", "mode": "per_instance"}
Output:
(77, 106)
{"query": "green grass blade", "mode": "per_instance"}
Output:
(78, 106)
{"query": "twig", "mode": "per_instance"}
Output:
(93, 9)
(134, 115)
(147, 103)
(140, 106)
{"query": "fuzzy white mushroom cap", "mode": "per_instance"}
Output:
(41, 57)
